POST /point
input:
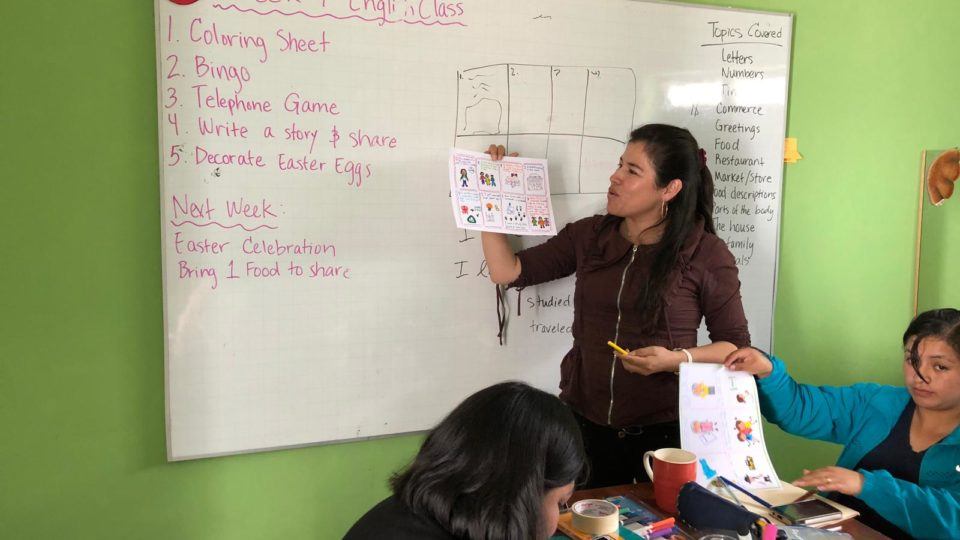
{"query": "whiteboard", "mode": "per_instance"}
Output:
(315, 287)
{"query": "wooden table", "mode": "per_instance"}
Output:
(644, 493)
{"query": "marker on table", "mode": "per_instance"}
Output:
(617, 348)
(666, 524)
(658, 529)
(659, 533)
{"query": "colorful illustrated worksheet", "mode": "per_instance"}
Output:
(720, 423)
(508, 196)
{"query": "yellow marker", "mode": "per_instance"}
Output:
(617, 348)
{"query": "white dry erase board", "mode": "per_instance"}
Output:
(316, 288)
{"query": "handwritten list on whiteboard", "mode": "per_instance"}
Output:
(315, 288)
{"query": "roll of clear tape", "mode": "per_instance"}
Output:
(596, 516)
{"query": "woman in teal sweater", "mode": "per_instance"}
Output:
(900, 465)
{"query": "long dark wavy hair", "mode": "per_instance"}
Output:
(675, 153)
(943, 324)
(483, 471)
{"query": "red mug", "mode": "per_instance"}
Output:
(671, 469)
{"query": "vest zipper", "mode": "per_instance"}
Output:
(616, 334)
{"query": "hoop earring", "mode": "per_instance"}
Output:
(663, 210)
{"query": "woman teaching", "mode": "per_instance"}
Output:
(647, 273)
(901, 444)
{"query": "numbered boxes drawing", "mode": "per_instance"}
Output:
(576, 117)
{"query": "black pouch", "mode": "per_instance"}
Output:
(701, 509)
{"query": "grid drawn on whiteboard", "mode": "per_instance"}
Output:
(575, 117)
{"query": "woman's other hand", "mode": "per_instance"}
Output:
(832, 479)
(649, 360)
(497, 151)
(749, 360)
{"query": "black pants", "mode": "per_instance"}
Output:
(615, 456)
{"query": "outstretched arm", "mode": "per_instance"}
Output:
(825, 413)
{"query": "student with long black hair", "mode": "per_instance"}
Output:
(648, 272)
(498, 467)
(900, 464)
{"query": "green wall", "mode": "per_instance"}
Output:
(82, 450)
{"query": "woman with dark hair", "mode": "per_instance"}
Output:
(499, 466)
(648, 272)
(900, 464)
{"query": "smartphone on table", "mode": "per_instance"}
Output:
(811, 512)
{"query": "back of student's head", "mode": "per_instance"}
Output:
(484, 470)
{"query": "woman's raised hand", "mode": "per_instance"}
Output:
(749, 360)
(497, 151)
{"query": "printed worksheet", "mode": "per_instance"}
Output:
(720, 423)
(508, 196)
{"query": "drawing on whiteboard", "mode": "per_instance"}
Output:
(575, 117)
(482, 109)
